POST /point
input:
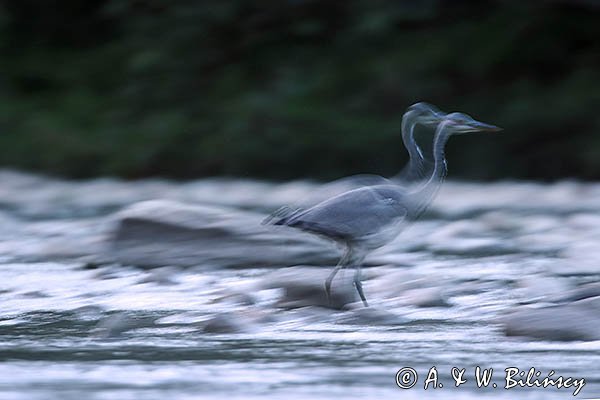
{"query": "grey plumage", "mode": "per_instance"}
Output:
(369, 217)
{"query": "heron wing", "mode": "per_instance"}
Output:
(324, 192)
(354, 215)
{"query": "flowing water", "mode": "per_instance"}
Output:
(75, 324)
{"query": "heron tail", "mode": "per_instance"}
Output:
(281, 216)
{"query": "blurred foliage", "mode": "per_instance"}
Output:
(296, 88)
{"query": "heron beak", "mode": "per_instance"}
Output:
(483, 127)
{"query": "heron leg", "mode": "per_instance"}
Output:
(358, 285)
(343, 263)
(330, 279)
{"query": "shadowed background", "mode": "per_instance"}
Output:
(291, 89)
(172, 288)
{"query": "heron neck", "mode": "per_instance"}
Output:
(408, 127)
(429, 189)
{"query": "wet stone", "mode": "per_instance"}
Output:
(117, 324)
(243, 320)
(371, 316)
(158, 233)
(575, 321)
(226, 323)
(304, 286)
(161, 276)
(425, 297)
(585, 291)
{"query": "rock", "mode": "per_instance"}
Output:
(242, 299)
(116, 324)
(159, 232)
(574, 321)
(582, 292)
(581, 258)
(467, 237)
(161, 276)
(370, 316)
(227, 323)
(35, 294)
(425, 297)
(240, 321)
(536, 288)
(590, 303)
(56, 239)
(407, 287)
(304, 286)
(88, 313)
(472, 247)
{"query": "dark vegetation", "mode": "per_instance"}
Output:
(297, 88)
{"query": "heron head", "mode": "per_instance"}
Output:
(463, 123)
(426, 113)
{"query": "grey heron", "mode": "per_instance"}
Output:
(417, 114)
(369, 217)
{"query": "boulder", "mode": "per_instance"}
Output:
(305, 286)
(579, 320)
(160, 232)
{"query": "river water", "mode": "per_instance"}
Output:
(77, 322)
